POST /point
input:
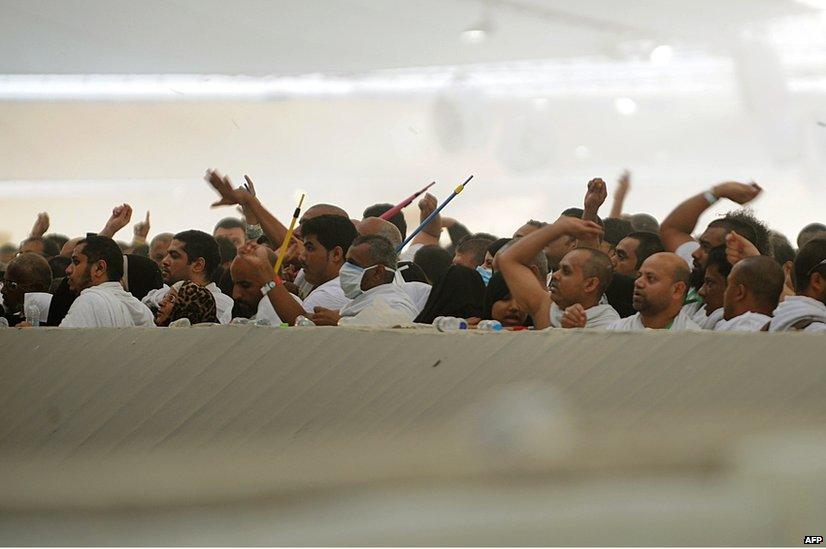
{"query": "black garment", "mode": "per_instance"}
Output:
(62, 299)
(458, 293)
(412, 272)
(620, 295)
(143, 275)
(223, 279)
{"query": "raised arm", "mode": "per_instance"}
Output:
(514, 261)
(121, 215)
(594, 198)
(676, 229)
(245, 197)
(623, 185)
(429, 235)
(282, 301)
(41, 225)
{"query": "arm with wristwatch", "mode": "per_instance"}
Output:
(676, 229)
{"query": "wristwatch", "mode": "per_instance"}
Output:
(265, 289)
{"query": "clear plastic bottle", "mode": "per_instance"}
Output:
(449, 323)
(262, 322)
(240, 320)
(489, 326)
(32, 313)
(302, 320)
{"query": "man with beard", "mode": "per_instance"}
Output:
(659, 292)
(676, 230)
(713, 289)
(326, 241)
(95, 273)
(577, 285)
(192, 255)
(246, 285)
(632, 250)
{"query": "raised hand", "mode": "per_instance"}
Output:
(141, 230)
(578, 228)
(623, 183)
(738, 247)
(223, 186)
(737, 192)
(427, 206)
(41, 225)
(595, 195)
(121, 215)
(574, 317)
(256, 257)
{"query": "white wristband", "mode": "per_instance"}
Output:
(709, 195)
(265, 289)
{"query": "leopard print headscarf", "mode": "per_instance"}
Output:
(195, 303)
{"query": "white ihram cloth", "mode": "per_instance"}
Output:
(795, 308)
(107, 305)
(598, 316)
(418, 292)
(328, 295)
(746, 322)
(392, 294)
(266, 310)
(704, 321)
(223, 302)
(682, 322)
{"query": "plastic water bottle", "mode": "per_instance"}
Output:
(32, 313)
(262, 322)
(449, 323)
(302, 320)
(489, 326)
(3, 322)
(240, 320)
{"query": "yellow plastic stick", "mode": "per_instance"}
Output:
(289, 236)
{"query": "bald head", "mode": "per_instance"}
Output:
(662, 285)
(754, 284)
(69, 247)
(381, 227)
(323, 209)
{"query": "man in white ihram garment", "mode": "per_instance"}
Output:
(753, 289)
(577, 286)
(192, 255)
(368, 277)
(659, 293)
(95, 272)
(805, 311)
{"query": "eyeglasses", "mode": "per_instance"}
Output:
(813, 269)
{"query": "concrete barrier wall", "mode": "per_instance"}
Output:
(141, 418)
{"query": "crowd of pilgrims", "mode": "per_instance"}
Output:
(621, 272)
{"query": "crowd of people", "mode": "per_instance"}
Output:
(623, 272)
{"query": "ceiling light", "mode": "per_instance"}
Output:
(625, 106)
(662, 55)
(474, 36)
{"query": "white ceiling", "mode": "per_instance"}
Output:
(278, 37)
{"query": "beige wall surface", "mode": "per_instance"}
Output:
(344, 435)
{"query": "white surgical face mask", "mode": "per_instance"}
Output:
(350, 277)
